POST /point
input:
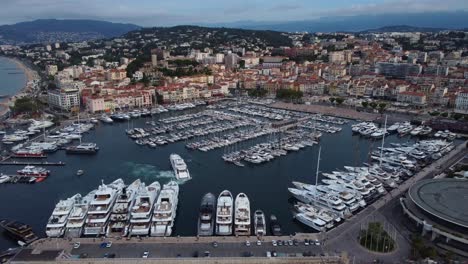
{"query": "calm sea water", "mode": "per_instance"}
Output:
(119, 157)
(12, 78)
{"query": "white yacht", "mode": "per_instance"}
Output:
(224, 211)
(180, 168)
(58, 220)
(310, 220)
(260, 223)
(77, 217)
(242, 223)
(100, 208)
(120, 214)
(142, 210)
(106, 119)
(165, 210)
(331, 202)
(325, 215)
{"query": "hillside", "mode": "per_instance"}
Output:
(448, 20)
(53, 30)
(402, 28)
(183, 37)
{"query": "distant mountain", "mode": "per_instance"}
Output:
(402, 28)
(444, 20)
(53, 30)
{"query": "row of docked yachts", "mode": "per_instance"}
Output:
(226, 216)
(344, 192)
(370, 129)
(117, 210)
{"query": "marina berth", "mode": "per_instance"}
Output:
(165, 210)
(310, 220)
(100, 208)
(259, 223)
(224, 214)
(142, 210)
(275, 226)
(207, 215)
(242, 221)
(78, 214)
(58, 220)
(120, 214)
(83, 148)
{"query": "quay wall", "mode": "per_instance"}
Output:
(303, 260)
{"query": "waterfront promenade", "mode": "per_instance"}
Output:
(343, 112)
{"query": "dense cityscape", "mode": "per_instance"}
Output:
(359, 137)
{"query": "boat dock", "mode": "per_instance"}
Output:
(19, 179)
(25, 163)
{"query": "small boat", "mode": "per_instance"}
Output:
(80, 172)
(18, 231)
(275, 226)
(260, 223)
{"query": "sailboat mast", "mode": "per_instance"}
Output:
(383, 141)
(318, 166)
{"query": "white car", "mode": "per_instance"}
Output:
(273, 242)
(259, 243)
(76, 245)
(247, 243)
(109, 244)
(145, 254)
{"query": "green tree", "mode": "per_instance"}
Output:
(364, 104)
(242, 64)
(288, 94)
(373, 105)
(26, 105)
(331, 99)
(382, 107)
(444, 114)
(339, 100)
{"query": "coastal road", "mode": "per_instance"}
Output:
(174, 250)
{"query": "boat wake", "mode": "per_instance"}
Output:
(148, 172)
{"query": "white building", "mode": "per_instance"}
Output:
(461, 103)
(64, 99)
(51, 69)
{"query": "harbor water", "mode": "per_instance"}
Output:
(119, 157)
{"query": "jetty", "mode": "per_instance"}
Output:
(25, 163)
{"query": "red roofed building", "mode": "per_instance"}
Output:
(415, 98)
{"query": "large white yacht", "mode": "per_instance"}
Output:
(331, 202)
(120, 214)
(77, 217)
(310, 220)
(57, 221)
(142, 210)
(224, 210)
(180, 168)
(165, 210)
(100, 208)
(242, 223)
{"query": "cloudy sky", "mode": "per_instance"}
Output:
(174, 12)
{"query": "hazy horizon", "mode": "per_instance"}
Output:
(177, 12)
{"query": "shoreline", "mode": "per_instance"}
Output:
(30, 75)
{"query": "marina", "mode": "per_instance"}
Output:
(121, 157)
